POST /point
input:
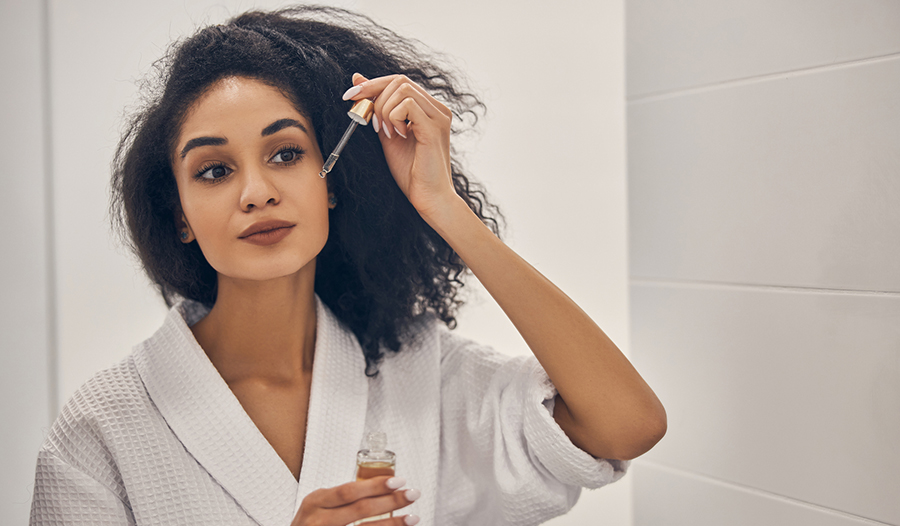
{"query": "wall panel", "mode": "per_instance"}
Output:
(790, 181)
(674, 45)
(667, 497)
(796, 393)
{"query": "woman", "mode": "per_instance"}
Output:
(307, 310)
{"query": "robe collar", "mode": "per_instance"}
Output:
(209, 420)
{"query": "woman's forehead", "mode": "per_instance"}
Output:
(240, 94)
(239, 102)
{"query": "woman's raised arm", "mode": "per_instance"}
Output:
(603, 405)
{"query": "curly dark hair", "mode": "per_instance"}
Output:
(382, 266)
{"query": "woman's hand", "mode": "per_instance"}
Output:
(348, 503)
(414, 129)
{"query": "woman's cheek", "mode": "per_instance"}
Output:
(211, 251)
(211, 236)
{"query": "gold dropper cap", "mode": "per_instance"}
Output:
(362, 111)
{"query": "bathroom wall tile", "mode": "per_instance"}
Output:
(666, 497)
(795, 393)
(790, 181)
(673, 45)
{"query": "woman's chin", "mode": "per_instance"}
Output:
(266, 270)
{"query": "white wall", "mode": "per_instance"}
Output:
(26, 323)
(551, 153)
(764, 184)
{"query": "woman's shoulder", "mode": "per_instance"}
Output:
(106, 405)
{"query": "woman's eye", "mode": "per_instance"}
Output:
(214, 172)
(287, 155)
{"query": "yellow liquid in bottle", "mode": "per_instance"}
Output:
(367, 470)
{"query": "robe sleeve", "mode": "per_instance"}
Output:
(508, 460)
(64, 495)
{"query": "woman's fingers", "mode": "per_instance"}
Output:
(375, 506)
(406, 103)
(353, 501)
(353, 491)
(390, 92)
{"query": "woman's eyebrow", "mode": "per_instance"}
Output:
(202, 141)
(281, 124)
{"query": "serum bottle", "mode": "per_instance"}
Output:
(375, 461)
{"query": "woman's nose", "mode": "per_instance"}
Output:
(258, 190)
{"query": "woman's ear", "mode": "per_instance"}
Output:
(185, 234)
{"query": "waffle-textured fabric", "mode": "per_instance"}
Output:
(160, 439)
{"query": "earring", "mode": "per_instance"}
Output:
(184, 234)
(332, 200)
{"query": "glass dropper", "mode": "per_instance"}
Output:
(360, 113)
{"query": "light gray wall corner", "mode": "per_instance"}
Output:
(26, 281)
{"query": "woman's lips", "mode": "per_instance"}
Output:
(266, 232)
(269, 237)
(261, 226)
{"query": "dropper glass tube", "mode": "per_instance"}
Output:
(360, 113)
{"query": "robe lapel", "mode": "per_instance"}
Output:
(208, 419)
(337, 407)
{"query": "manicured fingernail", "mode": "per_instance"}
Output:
(352, 92)
(387, 131)
(375, 122)
(411, 520)
(396, 482)
(412, 494)
(398, 132)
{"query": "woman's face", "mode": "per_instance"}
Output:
(246, 155)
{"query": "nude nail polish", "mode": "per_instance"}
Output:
(352, 92)
(412, 494)
(396, 482)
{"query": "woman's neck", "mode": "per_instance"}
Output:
(262, 331)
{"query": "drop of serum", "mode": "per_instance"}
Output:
(375, 461)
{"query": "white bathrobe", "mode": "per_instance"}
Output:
(161, 439)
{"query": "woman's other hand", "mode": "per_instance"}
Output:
(414, 129)
(348, 503)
